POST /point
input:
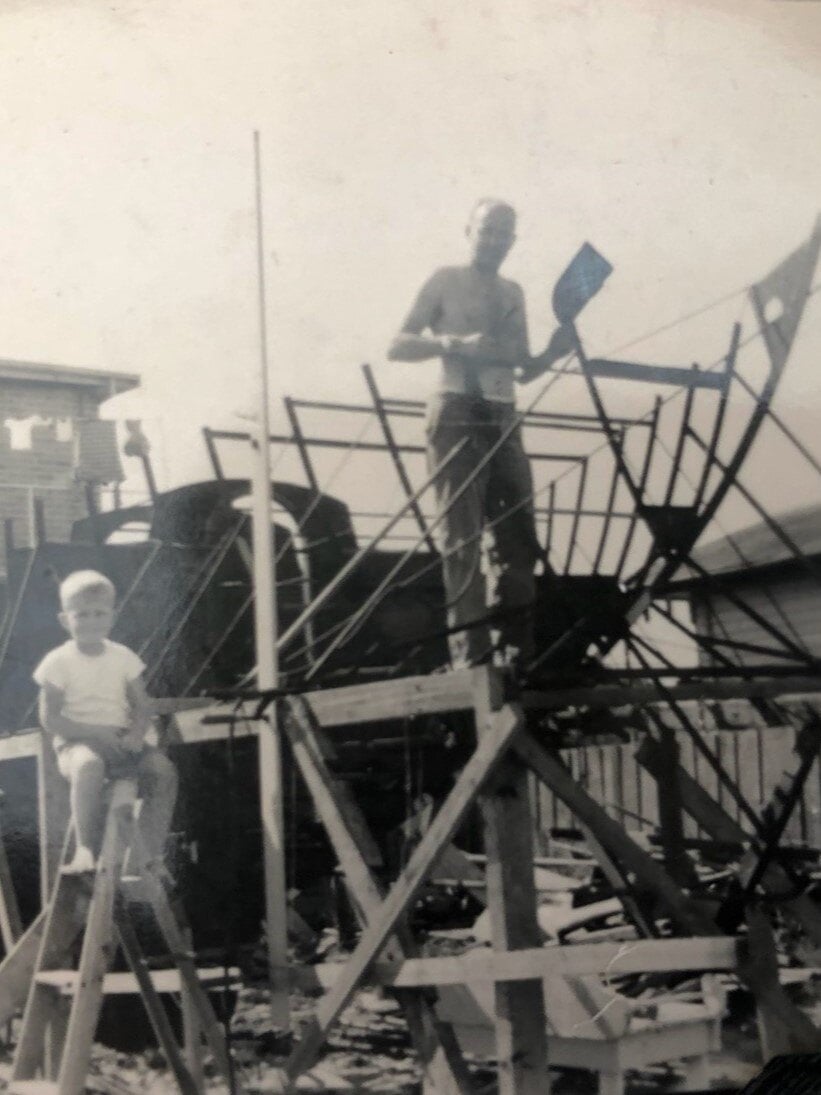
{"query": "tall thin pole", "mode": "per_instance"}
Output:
(265, 629)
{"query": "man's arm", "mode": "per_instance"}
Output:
(140, 705)
(50, 709)
(416, 341)
(562, 342)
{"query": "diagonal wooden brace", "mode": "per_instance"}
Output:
(435, 1043)
(493, 745)
(613, 838)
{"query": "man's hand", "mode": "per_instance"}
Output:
(465, 346)
(562, 342)
(477, 348)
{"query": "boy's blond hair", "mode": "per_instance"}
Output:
(82, 583)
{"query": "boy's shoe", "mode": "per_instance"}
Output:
(82, 863)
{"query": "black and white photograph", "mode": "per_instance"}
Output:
(410, 571)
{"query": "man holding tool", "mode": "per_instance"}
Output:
(475, 321)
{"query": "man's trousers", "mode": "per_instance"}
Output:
(499, 498)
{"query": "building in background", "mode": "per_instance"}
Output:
(756, 567)
(54, 448)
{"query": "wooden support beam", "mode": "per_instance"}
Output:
(97, 942)
(438, 693)
(39, 515)
(649, 874)
(435, 1043)
(700, 805)
(52, 813)
(488, 753)
(11, 926)
(671, 821)
(483, 965)
(519, 1014)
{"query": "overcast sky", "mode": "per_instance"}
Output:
(680, 138)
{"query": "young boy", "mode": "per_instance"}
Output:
(93, 700)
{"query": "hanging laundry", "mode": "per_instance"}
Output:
(20, 430)
(96, 459)
(65, 429)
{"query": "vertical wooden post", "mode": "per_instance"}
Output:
(192, 1028)
(265, 623)
(39, 521)
(52, 816)
(671, 820)
(521, 1035)
(8, 536)
(11, 926)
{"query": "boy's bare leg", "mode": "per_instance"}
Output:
(157, 785)
(85, 771)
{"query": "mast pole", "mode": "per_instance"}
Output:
(265, 634)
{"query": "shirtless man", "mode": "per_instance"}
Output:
(475, 321)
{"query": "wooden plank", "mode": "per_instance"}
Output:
(748, 775)
(705, 953)
(704, 774)
(630, 791)
(611, 796)
(727, 753)
(126, 984)
(435, 1043)
(404, 698)
(519, 1007)
(687, 759)
(593, 783)
(649, 801)
(487, 755)
(483, 965)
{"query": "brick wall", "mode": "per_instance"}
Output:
(45, 469)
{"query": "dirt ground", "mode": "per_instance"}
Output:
(369, 1052)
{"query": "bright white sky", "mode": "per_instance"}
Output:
(681, 138)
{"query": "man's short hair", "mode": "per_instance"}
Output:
(492, 203)
(82, 583)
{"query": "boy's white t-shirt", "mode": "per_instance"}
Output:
(94, 685)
